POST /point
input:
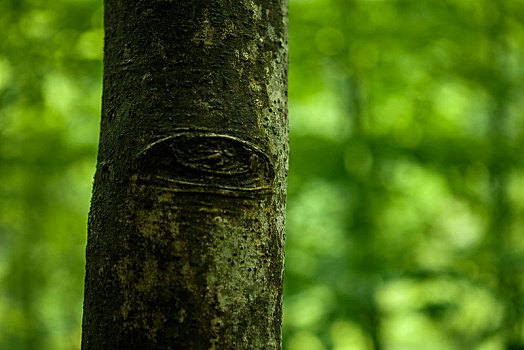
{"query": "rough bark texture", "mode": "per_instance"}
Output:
(186, 229)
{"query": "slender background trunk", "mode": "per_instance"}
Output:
(186, 229)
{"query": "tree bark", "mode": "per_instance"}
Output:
(186, 229)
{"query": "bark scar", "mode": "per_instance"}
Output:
(200, 161)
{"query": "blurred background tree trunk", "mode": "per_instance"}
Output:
(186, 228)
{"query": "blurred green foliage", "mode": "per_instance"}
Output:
(406, 184)
(50, 86)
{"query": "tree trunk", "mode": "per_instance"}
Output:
(186, 228)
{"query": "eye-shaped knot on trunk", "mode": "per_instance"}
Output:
(196, 161)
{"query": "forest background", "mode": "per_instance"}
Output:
(405, 215)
